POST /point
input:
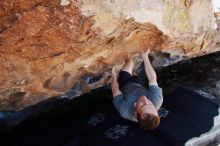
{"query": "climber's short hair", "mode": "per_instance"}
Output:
(149, 122)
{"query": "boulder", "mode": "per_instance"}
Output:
(50, 47)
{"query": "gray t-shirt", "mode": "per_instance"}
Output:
(124, 103)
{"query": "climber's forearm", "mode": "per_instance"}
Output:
(150, 72)
(115, 86)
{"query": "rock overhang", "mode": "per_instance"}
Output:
(48, 48)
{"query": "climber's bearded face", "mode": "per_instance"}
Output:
(144, 106)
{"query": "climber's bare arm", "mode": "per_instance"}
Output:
(151, 74)
(114, 84)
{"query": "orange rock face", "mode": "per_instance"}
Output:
(46, 49)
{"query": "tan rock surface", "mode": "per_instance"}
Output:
(48, 47)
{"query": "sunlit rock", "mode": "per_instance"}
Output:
(48, 48)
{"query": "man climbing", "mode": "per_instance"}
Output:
(133, 101)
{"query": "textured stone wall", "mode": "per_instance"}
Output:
(48, 47)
